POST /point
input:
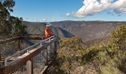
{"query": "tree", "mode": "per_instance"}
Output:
(5, 9)
(18, 29)
(118, 36)
(9, 25)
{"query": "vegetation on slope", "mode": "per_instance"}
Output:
(103, 58)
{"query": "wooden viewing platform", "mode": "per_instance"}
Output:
(26, 55)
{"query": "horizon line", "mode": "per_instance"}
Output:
(76, 21)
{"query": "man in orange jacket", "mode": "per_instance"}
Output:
(47, 31)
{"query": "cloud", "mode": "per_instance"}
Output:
(119, 6)
(35, 19)
(44, 20)
(67, 14)
(92, 7)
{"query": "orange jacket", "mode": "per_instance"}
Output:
(48, 32)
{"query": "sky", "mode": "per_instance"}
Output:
(76, 10)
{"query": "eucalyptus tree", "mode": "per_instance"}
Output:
(9, 25)
(18, 29)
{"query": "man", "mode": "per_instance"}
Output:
(50, 52)
(47, 31)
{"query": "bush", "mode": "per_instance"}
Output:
(102, 58)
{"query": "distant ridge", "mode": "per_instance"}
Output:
(38, 28)
(89, 30)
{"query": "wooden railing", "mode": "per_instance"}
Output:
(25, 56)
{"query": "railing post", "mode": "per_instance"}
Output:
(46, 56)
(55, 48)
(1, 61)
(49, 51)
(2, 71)
(19, 44)
(0, 56)
(52, 50)
(29, 66)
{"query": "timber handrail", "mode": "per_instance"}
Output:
(2, 41)
(24, 55)
(42, 43)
